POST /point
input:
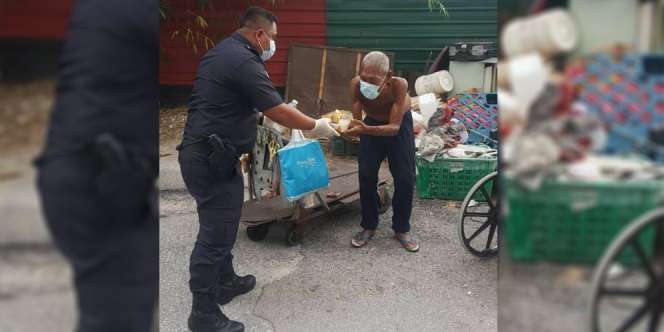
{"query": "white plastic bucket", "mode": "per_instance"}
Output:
(528, 76)
(428, 104)
(548, 33)
(439, 83)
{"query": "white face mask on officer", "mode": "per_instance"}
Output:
(267, 53)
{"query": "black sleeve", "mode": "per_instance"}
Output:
(256, 85)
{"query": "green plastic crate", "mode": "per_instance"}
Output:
(575, 222)
(342, 147)
(451, 178)
(338, 146)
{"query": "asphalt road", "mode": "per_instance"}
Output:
(552, 297)
(326, 285)
(35, 289)
(35, 280)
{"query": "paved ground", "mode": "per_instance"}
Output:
(547, 297)
(35, 288)
(542, 297)
(325, 285)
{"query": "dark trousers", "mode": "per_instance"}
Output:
(113, 248)
(219, 203)
(400, 153)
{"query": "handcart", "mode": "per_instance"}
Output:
(266, 206)
(477, 225)
(624, 233)
(630, 297)
(628, 294)
(478, 218)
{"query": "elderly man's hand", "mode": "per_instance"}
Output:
(356, 128)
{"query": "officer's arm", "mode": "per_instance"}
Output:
(257, 87)
(290, 117)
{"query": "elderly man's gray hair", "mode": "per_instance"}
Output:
(378, 60)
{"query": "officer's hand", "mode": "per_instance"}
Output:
(323, 128)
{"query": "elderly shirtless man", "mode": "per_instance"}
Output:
(387, 131)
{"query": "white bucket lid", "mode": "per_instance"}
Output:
(446, 80)
(561, 30)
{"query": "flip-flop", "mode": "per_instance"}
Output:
(360, 239)
(410, 245)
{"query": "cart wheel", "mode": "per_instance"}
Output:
(258, 233)
(633, 300)
(293, 237)
(480, 217)
(384, 199)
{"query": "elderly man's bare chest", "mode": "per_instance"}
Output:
(379, 108)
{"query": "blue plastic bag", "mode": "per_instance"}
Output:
(303, 167)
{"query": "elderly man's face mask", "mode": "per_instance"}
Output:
(372, 91)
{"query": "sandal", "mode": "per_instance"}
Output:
(407, 242)
(360, 239)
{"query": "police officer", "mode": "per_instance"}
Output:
(97, 171)
(232, 85)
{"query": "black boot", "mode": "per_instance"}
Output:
(207, 317)
(233, 287)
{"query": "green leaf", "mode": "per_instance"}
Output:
(439, 5)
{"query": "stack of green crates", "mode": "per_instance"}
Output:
(343, 147)
(575, 222)
(451, 178)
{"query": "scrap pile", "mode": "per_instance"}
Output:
(454, 131)
(596, 119)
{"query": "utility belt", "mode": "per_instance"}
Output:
(223, 157)
(123, 176)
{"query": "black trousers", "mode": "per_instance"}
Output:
(219, 203)
(400, 153)
(112, 245)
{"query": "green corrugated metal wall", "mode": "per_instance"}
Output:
(408, 28)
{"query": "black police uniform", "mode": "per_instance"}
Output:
(96, 173)
(231, 86)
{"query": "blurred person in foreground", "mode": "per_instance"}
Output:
(232, 85)
(97, 171)
(387, 131)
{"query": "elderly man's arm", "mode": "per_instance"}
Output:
(356, 106)
(399, 108)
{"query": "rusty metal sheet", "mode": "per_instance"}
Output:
(341, 68)
(304, 71)
(336, 66)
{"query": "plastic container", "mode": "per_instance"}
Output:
(575, 222)
(342, 147)
(428, 105)
(451, 178)
(479, 113)
(549, 33)
(438, 83)
(623, 92)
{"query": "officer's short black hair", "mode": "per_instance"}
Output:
(256, 17)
